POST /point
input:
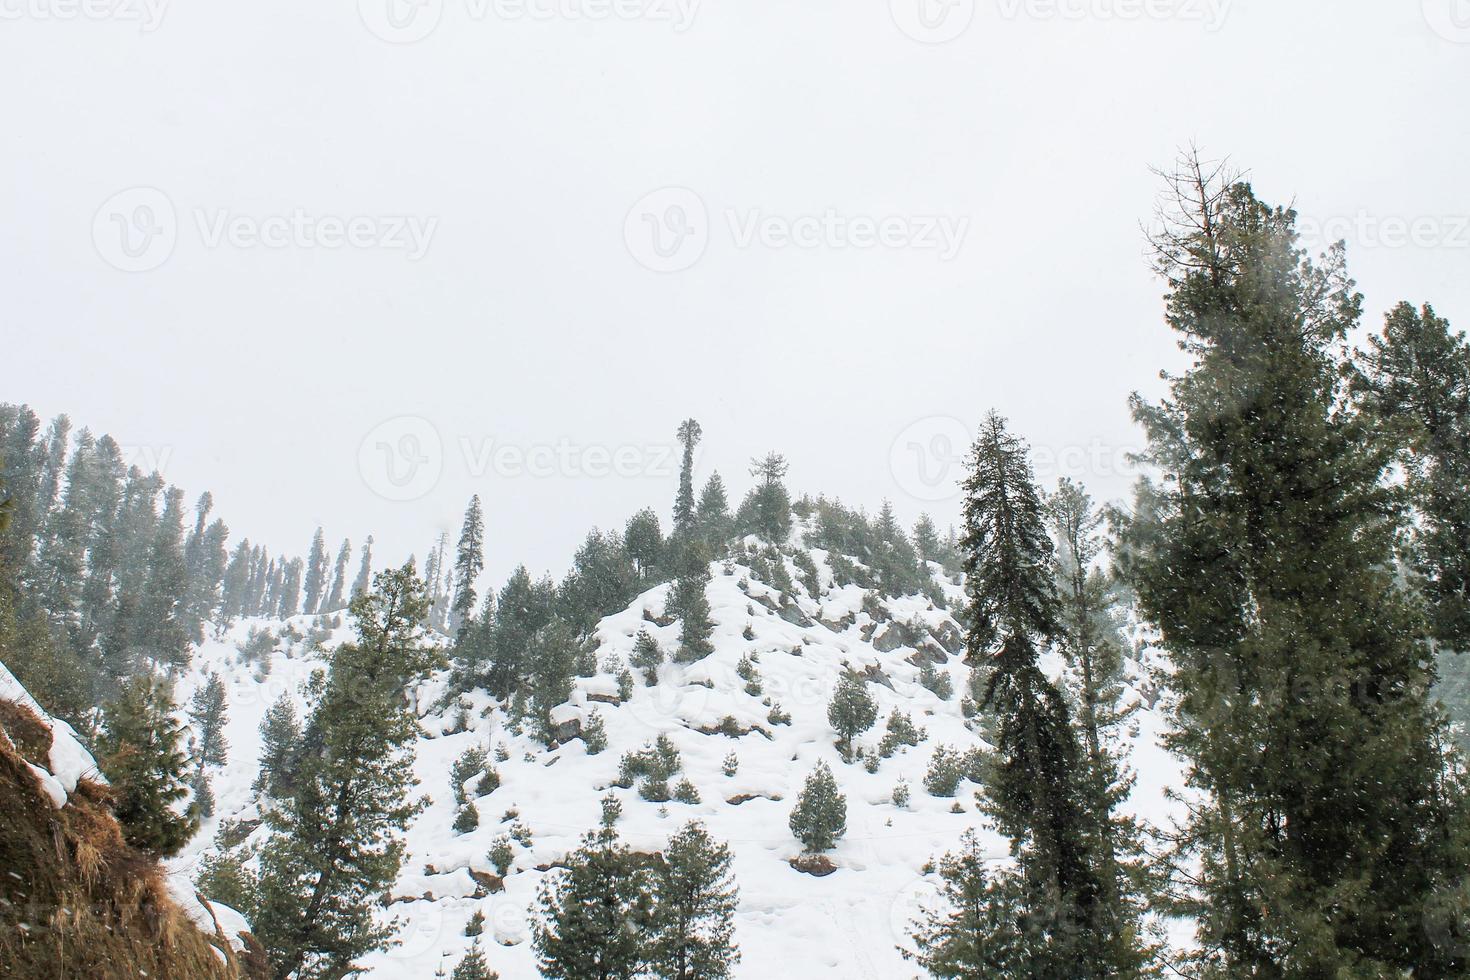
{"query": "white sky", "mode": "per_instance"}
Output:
(525, 144)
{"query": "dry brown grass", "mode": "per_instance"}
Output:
(75, 900)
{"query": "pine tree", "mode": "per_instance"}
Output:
(287, 590)
(689, 436)
(1093, 649)
(143, 758)
(852, 710)
(688, 601)
(363, 581)
(337, 843)
(473, 966)
(160, 629)
(336, 599)
(522, 608)
(1416, 383)
(712, 516)
(820, 815)
(979, 930)
(280, 746)
(316, 574)
(694, 902)
(926, 540)
(767, 509)
(647, 656)
(644, 541)
(593, 917)
(209, 713)
(1036, 788)
(551, 657)
(1323, 825)
(469, 561)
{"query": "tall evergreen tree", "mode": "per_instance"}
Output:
(1036, 789)
(143, 758)
(336, 596)
(280, 747)
(337, 842)
(1416, 383)
(978, 930)
(593, 917)
(1323, 825)
(469, 561)
(689, 436)
(712, 515)
(316, 574)
(852, 710)
(286, 588)
(689, 602)
(644, 541)
(819, 818)
(209, 712)
(161, 630)
(694, 901)
(363, 581)
(767, 509)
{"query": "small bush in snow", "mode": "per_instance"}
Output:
(476, 925)
(612, 809)
(820, 815)
(937, 682)
(946, 769)
(686, 792)
(502, 754)
(731, 764)
(900, 730)
(778, 716)
(748, 632)
(594, 734)
(647, 656)
(625, 684)
(901, 794)
(467, 819)
(470, 763)
(520, 832)
(501, 855)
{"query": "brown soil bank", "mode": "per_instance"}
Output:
(75, 900)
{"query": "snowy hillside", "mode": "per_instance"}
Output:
(847, 923)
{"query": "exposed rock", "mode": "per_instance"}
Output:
(816, 865)
(486, 883)
(747, 797)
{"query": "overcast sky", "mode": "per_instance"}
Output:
(348, 263)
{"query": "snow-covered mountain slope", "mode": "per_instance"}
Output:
(848, 923)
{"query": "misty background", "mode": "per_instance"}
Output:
(346, 264)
